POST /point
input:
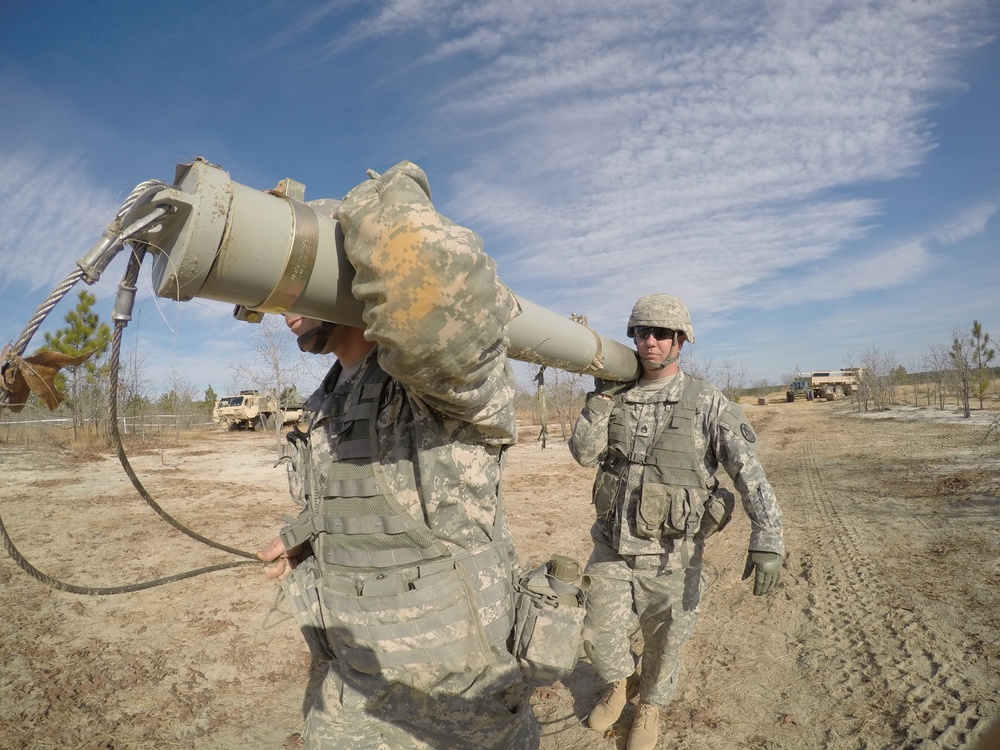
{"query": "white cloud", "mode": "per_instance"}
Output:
(842, 277)
(677, 139)
(971, 223)
(50, 215)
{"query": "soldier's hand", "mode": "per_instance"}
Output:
(281, 561)
(604, 387)
(766, 570)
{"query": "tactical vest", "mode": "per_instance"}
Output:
(674, 491)
(391, 593)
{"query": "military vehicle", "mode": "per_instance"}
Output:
(829, 385)
(251, 411)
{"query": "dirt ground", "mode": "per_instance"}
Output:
(885, 632)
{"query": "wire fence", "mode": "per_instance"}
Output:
(29, 429)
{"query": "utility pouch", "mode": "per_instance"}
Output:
(718, 511)
(665, 512)
(548, 620)
(450, 611)
(402, 618)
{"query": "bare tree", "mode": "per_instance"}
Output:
(961, 354)
(731, 379)
(271, 364)
(877, 377)
(179, 400)
(564, 393)
(690, 363)
(133, 395)
(915, 381)
(937, 362)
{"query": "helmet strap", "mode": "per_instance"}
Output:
(314, 340)
(669, 360)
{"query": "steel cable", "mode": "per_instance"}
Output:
(115, 238)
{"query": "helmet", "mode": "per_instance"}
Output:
(661, 311)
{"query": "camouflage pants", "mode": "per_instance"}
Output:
(423, 707)
(655, 593)
(433, 709)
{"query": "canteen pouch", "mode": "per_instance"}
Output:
(548, 621)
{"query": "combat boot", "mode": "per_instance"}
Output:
(646, 728)
(607, 711)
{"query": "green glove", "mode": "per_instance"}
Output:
(766, 569)
(603, 386)
(609, 388)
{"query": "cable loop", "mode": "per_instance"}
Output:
(102, 253)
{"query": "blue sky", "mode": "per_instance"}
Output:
(815, 179)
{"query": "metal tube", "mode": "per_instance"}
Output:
(227, 242)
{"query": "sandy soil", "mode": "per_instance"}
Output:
(885, 632)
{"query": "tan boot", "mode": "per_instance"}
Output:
(646, 728)
(607, 711)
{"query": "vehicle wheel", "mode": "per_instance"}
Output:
(258, 422)
(789, 397)
(809, 396)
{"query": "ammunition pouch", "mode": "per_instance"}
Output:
(548, 620)
(666, 511)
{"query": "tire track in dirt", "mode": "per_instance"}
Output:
(886, 655)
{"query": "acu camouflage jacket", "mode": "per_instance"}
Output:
(722, 436)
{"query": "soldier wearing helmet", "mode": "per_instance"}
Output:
(657, 443)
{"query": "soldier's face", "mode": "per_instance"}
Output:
(654, 351)
(652, 348)
(298, 324)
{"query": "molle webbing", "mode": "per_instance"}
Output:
(671, 457)
(363, 527)
(420, 603)
(370, 625)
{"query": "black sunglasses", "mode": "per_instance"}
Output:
(660, 334)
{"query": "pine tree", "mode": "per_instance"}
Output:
(84, 332)
(982, 353)
(211, 398)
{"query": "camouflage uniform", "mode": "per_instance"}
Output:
(406, 603)
(658, 581)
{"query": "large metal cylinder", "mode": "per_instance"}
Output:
(270, 253)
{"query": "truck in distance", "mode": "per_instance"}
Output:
(249, 410)
(829, 384)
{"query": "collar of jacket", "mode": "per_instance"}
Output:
(670, 393)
